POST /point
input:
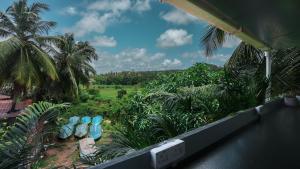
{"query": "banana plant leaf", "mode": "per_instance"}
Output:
(97, 120)
(86, 120)
(95, 131)
(81, 130)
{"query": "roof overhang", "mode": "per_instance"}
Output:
(263, 23)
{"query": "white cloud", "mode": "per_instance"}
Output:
(70, 10)
(104, 41)
(193, 55)
(108, 5)
(138, 59)
(157, 56)
(93, 22)
(198, 56)
(231, 42)
(121, 5)
(104, 13)
(173, 38)
(178, 17)
(142, 5)
(168, 62)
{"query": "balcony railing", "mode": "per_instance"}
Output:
(196, 140)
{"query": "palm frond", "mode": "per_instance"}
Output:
(43, 58)
(4, 33)
(245, 58)
(21, 144)
(24, 71)
(38, 7)
(48, 39)
(44, 26)
(6, 23)
(213, 39)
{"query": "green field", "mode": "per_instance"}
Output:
(109, 92)
(98, 100)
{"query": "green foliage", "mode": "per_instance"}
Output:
(248, 60)
(173, 102)
(73, 63)
(121, 93)
(92, 91)
(213, 39)
(49, 67)
(23, 58)
(3, 128)
(197, 75)
(176, 103)
(238, 93)
(22, 143)
(128, 77)
(99, 99)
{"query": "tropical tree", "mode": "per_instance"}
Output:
(248, 60)
(23, 60)
(245, 56)
(73, 62)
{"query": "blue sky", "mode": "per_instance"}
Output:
(134, 34)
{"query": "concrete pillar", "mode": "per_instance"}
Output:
(268, 75)
(268, 64)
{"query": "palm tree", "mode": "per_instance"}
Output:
(246, 59)
(214, 38)
(23, 60)
(73, 61)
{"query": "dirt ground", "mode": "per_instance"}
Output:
(65, 153)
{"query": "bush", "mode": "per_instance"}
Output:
(121, 93)
(84, 97)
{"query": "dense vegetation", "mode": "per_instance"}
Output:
(129, 77)
(247, 60)
(175, 103)
(141, 108)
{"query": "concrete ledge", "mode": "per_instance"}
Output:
(270, 106)
(137, 160)
(200, 138)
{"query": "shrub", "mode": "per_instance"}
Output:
(121, 93)
(93, 91)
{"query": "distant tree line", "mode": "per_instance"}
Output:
(129, 77)
(139, 77)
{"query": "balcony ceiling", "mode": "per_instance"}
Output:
(262, 23)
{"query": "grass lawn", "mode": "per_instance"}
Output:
(110, 92)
